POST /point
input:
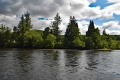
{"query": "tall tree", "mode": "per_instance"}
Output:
(5, 36)
(72, 34)
(28, 21)
(104, 32)
(2, 37)
(23, 26)
(55, 27)
(93, 38)
(91, 29)
(25, 23)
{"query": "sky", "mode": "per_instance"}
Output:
(104, 13)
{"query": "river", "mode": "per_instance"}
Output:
(59, 64)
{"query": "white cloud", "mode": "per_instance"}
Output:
(114, 8)
(49, 8)
(111, 27)
(113, 1)
(110, 24)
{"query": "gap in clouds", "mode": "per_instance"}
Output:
(101, 3)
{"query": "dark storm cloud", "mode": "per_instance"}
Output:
(9, 7)
(37, 8)
(44, 8)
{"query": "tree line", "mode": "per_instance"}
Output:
(23, 36)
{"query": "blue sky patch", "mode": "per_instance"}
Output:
(101, 3)
(42, 18)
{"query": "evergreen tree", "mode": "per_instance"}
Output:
(104, 32)
(25, 23)
(55, 27)
(97, 31)
(28, 21)
(23, 26)
(46, 32)
(93, 39)
(72, 34)
(2, 36)
(5, 36)
(91, 29)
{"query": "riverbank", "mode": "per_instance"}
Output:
(104, 49)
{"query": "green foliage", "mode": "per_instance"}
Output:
(50, 41)
(92, 29)
(104, 32)
(89, 44)
(46, 32)
(32, 39)
(77, 43)
(55, 27)
(104, 41)
(72, 35)
(25, 24)
(117, 44)
(39, 31)
(22, 36)
(5, 36)
(93, 40)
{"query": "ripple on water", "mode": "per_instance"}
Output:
(37, 64)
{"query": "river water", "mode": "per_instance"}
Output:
(37, 64)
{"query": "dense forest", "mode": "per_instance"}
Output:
(23, 36)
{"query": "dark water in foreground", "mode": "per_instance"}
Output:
(36, 64)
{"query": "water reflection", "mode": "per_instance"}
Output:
(37, 64)
(24, 59)
(72, 58)
(50, 57)
(92, 59)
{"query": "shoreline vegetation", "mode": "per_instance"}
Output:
(58, 49)
(23, 36)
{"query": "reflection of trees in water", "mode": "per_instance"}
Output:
(72, 57)
(54, 54)
(50, 54)
(92, 60)
(50, 57)
(24, 60)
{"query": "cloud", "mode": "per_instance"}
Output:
(110, 24)
(114, 8)
(113, 1)
(43, 11)
(111, 27)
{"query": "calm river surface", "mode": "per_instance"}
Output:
(37, 64)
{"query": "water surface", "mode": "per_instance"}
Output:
(37, 64)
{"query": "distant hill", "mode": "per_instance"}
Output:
(39, 31)
(117, 37)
